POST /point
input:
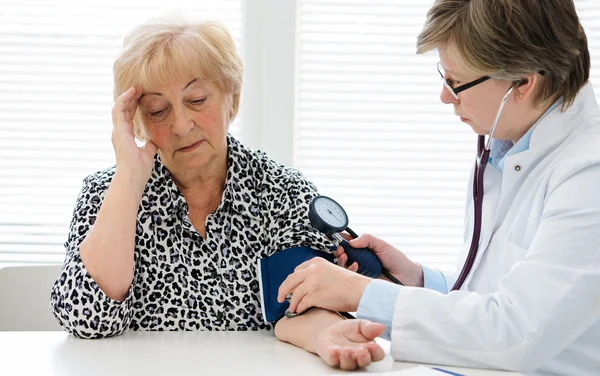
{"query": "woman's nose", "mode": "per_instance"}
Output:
(446, 97)
(183, 123)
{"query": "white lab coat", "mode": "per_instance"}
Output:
(532, 301)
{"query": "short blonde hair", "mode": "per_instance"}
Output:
(155, 54)
(510, 39)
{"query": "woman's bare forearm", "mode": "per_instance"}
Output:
(302, 330)
(107, 252)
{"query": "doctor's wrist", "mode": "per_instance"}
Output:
(356, 291)
(417, 276)
(411, 275)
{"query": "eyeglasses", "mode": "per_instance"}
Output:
(449, 84)
(455, 90)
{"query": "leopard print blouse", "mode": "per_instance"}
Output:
(181, 280)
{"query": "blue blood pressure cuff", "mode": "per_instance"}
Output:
(273, 270)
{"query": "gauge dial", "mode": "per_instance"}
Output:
(327, 215)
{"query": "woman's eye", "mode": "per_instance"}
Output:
(157, 113)
(198, 101)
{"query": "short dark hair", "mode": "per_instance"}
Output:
(509, 39)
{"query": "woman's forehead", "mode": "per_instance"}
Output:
(164, 72)
(175, 84)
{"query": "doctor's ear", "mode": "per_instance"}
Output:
(524, 87)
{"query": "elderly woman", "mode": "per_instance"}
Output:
(170, 241)
(527, 297)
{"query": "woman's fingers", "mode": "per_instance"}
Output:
(349, 344)
(138, 93)
(126, 96)
(347, 361)
(350, 358)
(121, 102)
(132, 103)
(124, 108)
(376, 351)
(332, 356)
(370, 330)
(363, 357)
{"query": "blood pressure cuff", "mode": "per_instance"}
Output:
(273, 270)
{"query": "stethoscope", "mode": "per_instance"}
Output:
(481, 162)
(327, 216)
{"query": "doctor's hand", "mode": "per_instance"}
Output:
(319, 283)
(342, 258)
(396, 262)
(349, 344)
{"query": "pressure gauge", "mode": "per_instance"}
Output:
(327, 216)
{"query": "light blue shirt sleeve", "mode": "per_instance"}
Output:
(433, 279)
(377, 304)
(379, 298)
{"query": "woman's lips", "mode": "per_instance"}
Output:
(463, 119)
(187, 149)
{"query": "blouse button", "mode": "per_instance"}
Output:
(517, 168)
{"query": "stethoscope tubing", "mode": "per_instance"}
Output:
(481, 162)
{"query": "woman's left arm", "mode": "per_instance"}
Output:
(289, 223)
(347, 344)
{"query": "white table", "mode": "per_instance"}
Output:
(170, 353)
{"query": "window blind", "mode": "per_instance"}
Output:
(56, 98)
(371, 131)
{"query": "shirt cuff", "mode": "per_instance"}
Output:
(434, 280)
(377, 304)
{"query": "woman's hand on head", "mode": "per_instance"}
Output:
(396, 262)
(133, 161)
(349, 344)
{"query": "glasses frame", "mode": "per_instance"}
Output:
(456, 90)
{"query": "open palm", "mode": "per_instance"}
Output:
(350, 344)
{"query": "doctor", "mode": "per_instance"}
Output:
(526, 295)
